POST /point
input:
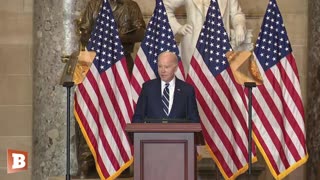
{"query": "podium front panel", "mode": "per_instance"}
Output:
(161, 156)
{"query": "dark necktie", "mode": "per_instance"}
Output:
(165, 99)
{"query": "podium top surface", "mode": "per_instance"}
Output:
(164, 127)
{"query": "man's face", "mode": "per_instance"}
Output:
(167, 66)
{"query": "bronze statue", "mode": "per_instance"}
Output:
(131, 27)
(128, 17)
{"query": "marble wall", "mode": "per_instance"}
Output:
(33, 36)
(16, 42)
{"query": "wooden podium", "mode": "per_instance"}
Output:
(165, 151)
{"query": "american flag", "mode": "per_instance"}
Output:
(103, 101)
(278, 114)
(159, 38)
(221, 101)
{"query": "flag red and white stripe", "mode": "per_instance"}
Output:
(278, 114)
(159, 38)
(103, 102)
(221, 101)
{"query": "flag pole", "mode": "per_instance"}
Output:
(250, 85)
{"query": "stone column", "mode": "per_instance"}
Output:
(313, 106)
(54, 36)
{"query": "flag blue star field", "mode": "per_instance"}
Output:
(278, 113)
(159, 38)
(221, 101)
(103, 101)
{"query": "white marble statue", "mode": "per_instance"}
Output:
(196, 10)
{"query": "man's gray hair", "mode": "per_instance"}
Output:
(168, 52)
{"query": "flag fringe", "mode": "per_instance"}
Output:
(85, 135)
(272, 171)
(236, 174)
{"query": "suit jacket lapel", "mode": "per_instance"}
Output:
(158, 95)
(176, 97)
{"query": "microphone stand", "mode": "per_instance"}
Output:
(250, 85)
(68, 85)
(67, 82)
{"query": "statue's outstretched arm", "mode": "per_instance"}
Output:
(176, 27)
(134, 36)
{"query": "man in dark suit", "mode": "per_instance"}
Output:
(166, 97)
